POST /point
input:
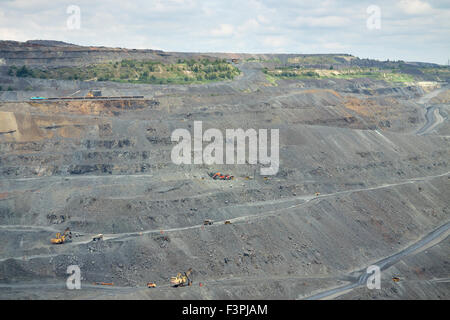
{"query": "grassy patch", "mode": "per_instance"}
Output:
(295, 73)
(137, 71)
(271, 79)
(313, 60)
(274, 60)
(441, 73)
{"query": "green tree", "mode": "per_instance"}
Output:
(24, 72)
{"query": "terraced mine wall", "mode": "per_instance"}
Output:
(356, 185)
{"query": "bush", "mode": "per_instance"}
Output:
(24, 72)
(311, 74)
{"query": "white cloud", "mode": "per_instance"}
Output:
(275, 41)
(223, 30)
(414, 6)
(207, 11)
(411, 29)
(248, 25)
(334, 45)
(261, 18)
(326, 22)
(11, 34)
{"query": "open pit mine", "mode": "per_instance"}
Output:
(88, 184)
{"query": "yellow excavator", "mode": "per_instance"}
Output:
(182, 279)
(62, 238)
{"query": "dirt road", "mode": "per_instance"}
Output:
(433, 116)
(435, 236)
(288, 203)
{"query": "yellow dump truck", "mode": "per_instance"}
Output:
(97, 237)
(94, 93)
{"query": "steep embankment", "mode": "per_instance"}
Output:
(105, 167)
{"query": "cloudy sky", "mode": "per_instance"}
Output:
(411, 30)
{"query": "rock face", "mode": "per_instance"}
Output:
(55, 54)
(355, 185)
